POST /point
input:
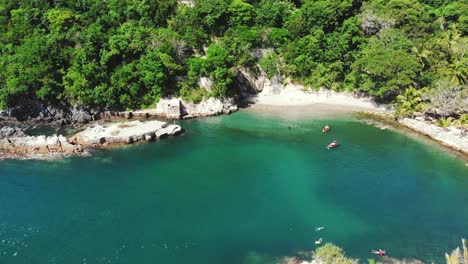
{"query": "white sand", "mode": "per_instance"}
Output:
(294, 95)
(293, 101)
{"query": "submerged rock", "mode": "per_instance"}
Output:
(124, 133)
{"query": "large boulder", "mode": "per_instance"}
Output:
(81, 115)
(25, 112)
(169, 108)
(6, 132)
(210, 107)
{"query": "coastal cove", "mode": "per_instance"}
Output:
(241, 188)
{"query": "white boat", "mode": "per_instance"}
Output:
(318, 242)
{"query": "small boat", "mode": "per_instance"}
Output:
(319, 228)
(334, 144)
(325, 129)
(379, 252)
(319, 241)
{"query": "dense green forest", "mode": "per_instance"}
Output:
(126, 54)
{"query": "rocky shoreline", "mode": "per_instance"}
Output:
(101, 136)
(39, 147)
(15, 144)
(168, 109)
(128, 127)
(453, 137)
(177, 109)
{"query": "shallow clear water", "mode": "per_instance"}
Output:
(237, 189)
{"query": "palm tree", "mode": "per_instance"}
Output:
(445, 122)
(421, 53)
(462, 123)
(458, 72)
(409, 102)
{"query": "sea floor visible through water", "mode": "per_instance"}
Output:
(243, 188)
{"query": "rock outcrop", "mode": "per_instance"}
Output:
(167, 108)
(176, 108)
(124, 133)
(14, 144)
(38, 147)
(7, 132)
(210, 107)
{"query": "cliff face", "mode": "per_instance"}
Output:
(177, 108)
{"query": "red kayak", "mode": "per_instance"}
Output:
(379, 252)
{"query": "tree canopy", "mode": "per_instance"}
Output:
(126, 54)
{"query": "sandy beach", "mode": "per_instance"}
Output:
(293, 102)
(295, 95)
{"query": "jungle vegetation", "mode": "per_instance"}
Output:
(126, 54)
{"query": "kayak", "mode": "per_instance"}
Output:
(333, 145)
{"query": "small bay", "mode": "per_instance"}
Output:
(237, 189)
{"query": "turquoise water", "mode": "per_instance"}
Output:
(237, 189)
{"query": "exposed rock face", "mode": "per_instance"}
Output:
(453, 137)
(81, 115)
(37, 113)
(169, 108)
(189, 3)
(166, 108)
(176, 108)
(372, 23)
(6, 132)
(40, 147)
(16, 145)
(250, 84)
(205, 83)
(124, 133)
(210, 107)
